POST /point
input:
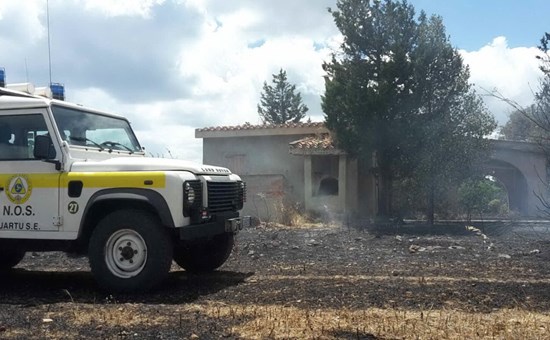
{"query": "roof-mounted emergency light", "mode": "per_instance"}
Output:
(2, 77)
(58, 91)
(22, 87)
(43, 92)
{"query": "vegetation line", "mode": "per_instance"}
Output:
(409, 279)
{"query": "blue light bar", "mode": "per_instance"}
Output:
(2, 77)
(58, 91)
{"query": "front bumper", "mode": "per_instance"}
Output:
(226, 223)
(234, 225)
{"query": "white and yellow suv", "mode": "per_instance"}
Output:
(75, 179)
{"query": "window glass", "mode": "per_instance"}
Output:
(91, 130)
(17, 134)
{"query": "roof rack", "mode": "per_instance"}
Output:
(4, 91)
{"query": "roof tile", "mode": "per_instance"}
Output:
(319, 142)
(247, 126)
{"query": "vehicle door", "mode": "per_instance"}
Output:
(29, 187)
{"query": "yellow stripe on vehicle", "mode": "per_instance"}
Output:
(117, 179)
(139, 179)
(38, 180)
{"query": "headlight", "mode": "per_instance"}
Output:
(243, 190)
(242, 194)
(192, 197)
(189, 194)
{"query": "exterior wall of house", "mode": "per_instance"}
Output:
(264, 162)
(333, 189)
(287, 165)
(283, 165)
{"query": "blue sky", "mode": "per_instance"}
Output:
(474, 23)
(172, 66)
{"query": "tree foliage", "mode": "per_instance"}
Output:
(369, 84)
(541, 113)
(451, 120)
(400, 90)
(521, 126)
(480, 196)
(279, 103)
(541, 116)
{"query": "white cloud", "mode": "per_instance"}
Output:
(513, 72)
(236, 79)
(22, 19)
(171, 66)
(115, 8)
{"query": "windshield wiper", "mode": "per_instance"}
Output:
(115, 144)
(84, 139)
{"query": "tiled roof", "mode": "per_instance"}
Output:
(262, 126)
(322, 142)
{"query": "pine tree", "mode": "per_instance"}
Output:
(398, 90)
(279, 104)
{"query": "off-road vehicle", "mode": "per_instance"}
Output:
(76, 179)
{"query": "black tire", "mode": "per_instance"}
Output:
(130, 251)
(10, 257)
(205, 255)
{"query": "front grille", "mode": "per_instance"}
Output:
(223, 196)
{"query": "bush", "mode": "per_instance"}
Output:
(494, 206)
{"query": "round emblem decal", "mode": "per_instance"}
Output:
(19, 189)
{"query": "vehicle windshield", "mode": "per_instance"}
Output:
(89, 129)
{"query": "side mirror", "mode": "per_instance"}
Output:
(43, 148)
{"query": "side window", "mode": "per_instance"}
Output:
(17, 135)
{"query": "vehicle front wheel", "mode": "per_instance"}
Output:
(204, 255)
(130, 251)
(10, 257)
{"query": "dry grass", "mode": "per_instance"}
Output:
(261, 322)
(285, 322)
(429, 296)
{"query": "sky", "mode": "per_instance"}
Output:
(172, 66)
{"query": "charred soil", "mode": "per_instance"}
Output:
(327, 282)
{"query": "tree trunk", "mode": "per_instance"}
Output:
(431, 204)
(384, 195)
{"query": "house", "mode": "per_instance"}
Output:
(289, 164)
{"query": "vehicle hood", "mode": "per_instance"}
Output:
(146, 164)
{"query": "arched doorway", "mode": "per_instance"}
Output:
(515, 183)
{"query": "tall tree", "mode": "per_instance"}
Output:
(451, 121)
(369, 84)
(279, 103)
(400, 90)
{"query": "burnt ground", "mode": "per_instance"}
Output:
(274, 270)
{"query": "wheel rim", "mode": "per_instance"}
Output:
(125, 253)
